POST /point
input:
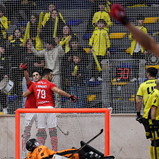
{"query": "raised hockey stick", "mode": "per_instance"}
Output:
(86, 143)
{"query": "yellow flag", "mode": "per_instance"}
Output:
(75, 70)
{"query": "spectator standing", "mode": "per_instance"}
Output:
(51, 7)
(53, 27)
(16, 51)
(119, 13)
(94, 10)
(74, 48)
(53, 56)
(31, 32)
(100, 44)
(77, 73)
(33, 62)
(30, 103)
(43, 92)
(102, 14)
(67, 34)
(4, 71)
(65, 43)
(137, 51)
(3, 25)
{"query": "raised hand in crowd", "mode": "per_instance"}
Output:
(57, 40)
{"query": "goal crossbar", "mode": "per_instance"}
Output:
(60, 110)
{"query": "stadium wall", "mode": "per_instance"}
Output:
(127, 137)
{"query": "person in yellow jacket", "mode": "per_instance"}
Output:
(102, 14)
(3, 25)
(32, 32)
(100, 44)
(137, 51)
(93, 11)
(151, 115)
(51, 7)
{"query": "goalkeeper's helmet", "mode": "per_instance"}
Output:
(32, 144)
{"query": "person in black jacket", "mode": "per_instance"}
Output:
(53, 27)
(77, 73)
(16, 51)
(68, 58)
(75, 47)
(4, 71)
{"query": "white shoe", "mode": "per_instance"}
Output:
(92, 79)
(5, 111)
(99, 79)
(133, 80)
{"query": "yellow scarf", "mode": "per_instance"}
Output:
(55, 27)
(75, 70)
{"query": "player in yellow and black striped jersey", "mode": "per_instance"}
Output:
(145, 89)
(153, 100)
(151, 119)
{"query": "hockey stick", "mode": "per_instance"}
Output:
(86, 143)
(62, 131)
(155, 145)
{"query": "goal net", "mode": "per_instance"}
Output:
(73, 126)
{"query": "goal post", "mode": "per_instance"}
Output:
(106, 112)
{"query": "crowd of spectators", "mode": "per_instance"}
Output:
(48, 42)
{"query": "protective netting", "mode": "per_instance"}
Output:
(74, 25)
(120, 93)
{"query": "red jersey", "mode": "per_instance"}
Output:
(30, 101)
(43, 92)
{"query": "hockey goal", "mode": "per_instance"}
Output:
(70, 123)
